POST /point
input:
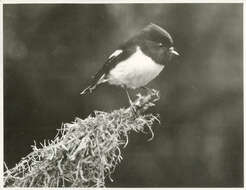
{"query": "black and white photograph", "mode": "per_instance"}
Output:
(123, 95)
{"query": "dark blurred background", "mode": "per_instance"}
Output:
(50, 51)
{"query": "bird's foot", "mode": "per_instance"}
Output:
(133, 110)
(149, 90)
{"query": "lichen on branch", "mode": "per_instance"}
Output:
(85, 152)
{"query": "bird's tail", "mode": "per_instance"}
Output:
(89, 89)
(97, 79)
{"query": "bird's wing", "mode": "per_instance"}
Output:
(113, 59)
(116, 57)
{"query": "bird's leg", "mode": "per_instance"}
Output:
(130, 101)
(128, 96)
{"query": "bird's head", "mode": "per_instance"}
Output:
(157, 43)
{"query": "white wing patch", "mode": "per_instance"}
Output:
(116, 53)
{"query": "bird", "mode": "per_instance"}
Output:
(137, 61)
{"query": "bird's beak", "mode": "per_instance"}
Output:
(172, 51)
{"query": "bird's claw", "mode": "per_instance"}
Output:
(133, 110)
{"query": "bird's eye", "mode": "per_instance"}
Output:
(160, 44)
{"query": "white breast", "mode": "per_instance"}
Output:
(135, 72)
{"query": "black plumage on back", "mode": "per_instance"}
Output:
(108, 65)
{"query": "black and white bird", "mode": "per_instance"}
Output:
(137, 61)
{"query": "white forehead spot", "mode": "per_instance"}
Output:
(116, 53)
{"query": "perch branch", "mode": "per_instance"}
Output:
(84, 152)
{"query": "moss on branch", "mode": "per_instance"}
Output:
(85, 152)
